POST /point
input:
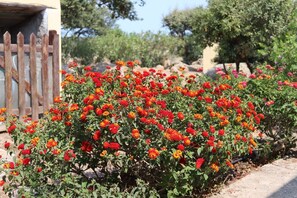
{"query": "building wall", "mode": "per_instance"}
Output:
(53, 10)
(209, 53)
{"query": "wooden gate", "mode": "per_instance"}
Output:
(39, 101)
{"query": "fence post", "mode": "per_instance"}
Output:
(34, 94)
(21, 72)
(56, 65)
(45, 77)
(8, 72)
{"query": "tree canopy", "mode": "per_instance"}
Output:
(93, 17)
(240, 27)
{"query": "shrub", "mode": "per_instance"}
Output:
(152, 49)
(140, 133)
(274, 94)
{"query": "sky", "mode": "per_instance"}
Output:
(152, 13)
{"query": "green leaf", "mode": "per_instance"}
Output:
(205, 176)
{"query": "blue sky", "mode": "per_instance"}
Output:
(152, 13)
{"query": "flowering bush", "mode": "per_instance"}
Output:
(274, 94)
(132, 134)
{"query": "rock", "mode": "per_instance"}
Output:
(197, 62)
(101, 67)
(231, 68)
(159, 68)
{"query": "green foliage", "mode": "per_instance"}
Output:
(274, 93)
(93, 17)
(241, 26)
(180, 24)
(137, 134)
(151, 49)
(282, 53)
(82, 48)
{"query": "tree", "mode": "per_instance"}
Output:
(179, 23)
(89, 18)
(242, 27)
(93, 17)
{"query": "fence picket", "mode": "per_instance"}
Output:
(34, 93)
(8, 71)
(56, 67)
(45, 77)
(21, 75)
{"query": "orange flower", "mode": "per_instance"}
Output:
(2, 119)
(103, 153)
(131, 115)
(135, 133)
(237, 136)
(8, 165)
(104, 123)
(187, 141)
(228, 163)
(224, 123)
(105, 113)
(2, 110)
(177, 154)
(153, 153)
(57, 99)
(215, 167)
(56, 151)
(198, 116)
(220, 144)
(35, 141)
(238, 118)
(179, 89)
(14, 173)
(252, 142)
(51, 143)
(120, 63)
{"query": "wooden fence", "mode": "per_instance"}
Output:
(40, 102)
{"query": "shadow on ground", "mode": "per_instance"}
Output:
(289, 190)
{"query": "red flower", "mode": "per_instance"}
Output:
(199, 162)
(208, 99)
(191, 131)
(39, 169)
(124, 103)
(212, 129)
(96, 135)
(11, 128)
(130, 63)
(99, 111)
(114, 146)
(205, 134)
(2, 182)
(6, 145)
(26, 152)
(221, 132)
(88, 68)
(106, 145)
(26, 161)
(68, 155)
(180, 115)
(153, 153)
(181, 147)
(114, 128)
(86, 146)
(250, 105)
(206, 85)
